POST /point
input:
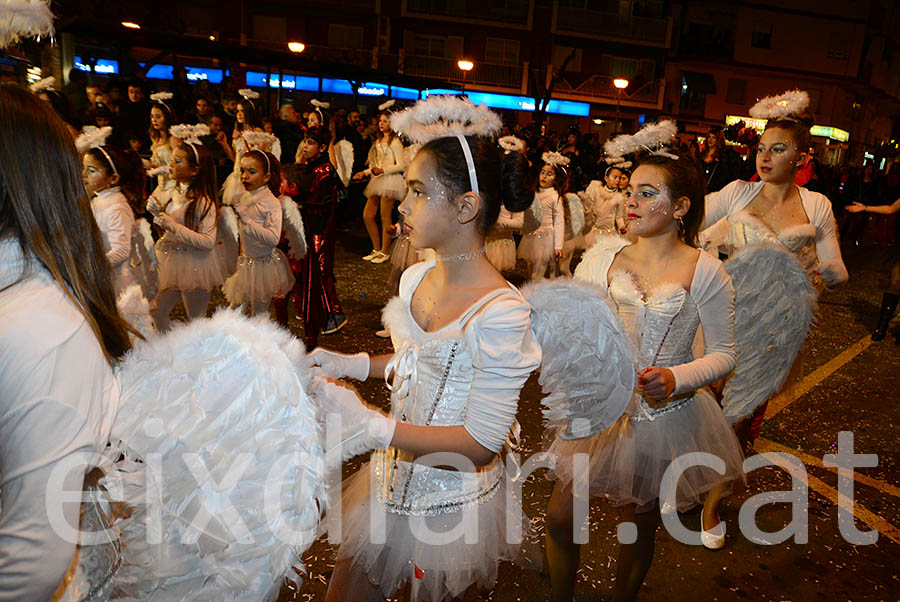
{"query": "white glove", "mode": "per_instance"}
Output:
(331, 364)
(363, 429)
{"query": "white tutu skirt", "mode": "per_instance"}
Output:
(392, 186)
(188, 268)
(232, 189)
(501, 252)
(259, 279)
(446, 569)
(403, 254)
(537, 246)
(627, 461)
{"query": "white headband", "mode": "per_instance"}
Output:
(470, 163)
(109, 159)
(194, 148)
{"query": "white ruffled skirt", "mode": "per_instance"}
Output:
(627, 461)
(501, 251)
(537, 246)
(436, 571)
(187, 268)
(392, 186)
(259, 279)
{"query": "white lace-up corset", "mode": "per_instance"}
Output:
(663, 326)
(430, 376)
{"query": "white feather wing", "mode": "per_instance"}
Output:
(588, 362)
(143, 258)
(576, 212)
(343, 155)
(292, 225)
(774, 308)
(217, 451)
(135, 308)
(227, 239)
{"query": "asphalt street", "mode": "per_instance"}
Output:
(849, 384)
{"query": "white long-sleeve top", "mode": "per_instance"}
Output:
(58, 397)
(175, 203)
(115, 220)
(389, 157)
(260, 217)
(546, 213)
(736, 196)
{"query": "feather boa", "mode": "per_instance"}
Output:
(653, 137)
(92, 137)
(787, 105)
(443, 116)
(24, 19)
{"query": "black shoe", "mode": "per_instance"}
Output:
(334, 323)
(888, 306)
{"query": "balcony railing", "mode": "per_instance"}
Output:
(487, 74)
(582, 22)
(601, 88)
(515, 12)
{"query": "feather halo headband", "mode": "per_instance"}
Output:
(789, 105)
(387, 104)
(48, 83)
(248, 93)
(555, 159)
(92, 137)
(260, 140)
(442, 116)
(24, 19)
(320, 104)
(511, 144)
(653, 138)
(161, 97)
(190, 133)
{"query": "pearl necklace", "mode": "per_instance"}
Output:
(462, 256)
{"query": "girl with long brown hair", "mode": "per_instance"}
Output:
(59, 336)
(189, 268)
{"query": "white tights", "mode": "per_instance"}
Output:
(195, 304)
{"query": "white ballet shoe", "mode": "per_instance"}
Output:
(714, 539)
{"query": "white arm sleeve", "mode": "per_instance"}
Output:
(719, 204)
(559, 224)
(204, 237)
(831, 265)
(714, 295)
(503, 356)
(117, 225)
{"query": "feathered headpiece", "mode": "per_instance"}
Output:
(653, 138)
(260, 140)
(190, 133)
(442, 116)
(789, 105)
(47, 83)
(24, 19)
(619, 162)
(248, 94)
(511, 144)
(387, 104)
(555, 159)
(161, 97)
(319, 104)
(92, 137)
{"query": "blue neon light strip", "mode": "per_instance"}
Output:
(519, 103)
(105, 66)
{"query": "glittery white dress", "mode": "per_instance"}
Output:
(600, 207)
(468, 374)
(232, 189)
(115, 219)
(499, 245)
(544, 229)
(186, 256)
(393, 160)
(627, 461)
(161, 156)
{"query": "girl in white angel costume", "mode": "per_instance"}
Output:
(777, 212)
(248, 135)
(463, 350)
(544, 230)
(663, 289)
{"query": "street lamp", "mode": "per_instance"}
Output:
(465, 66)
(296, 47)
(130, 25)
(620, 84)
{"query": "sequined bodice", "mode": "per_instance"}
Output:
(663, 327)
(744, 229)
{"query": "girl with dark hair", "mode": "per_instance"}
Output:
(60, 336)
(162, 117)
(602, 203)
(663, 289)
(248, 134)
(544, 230)
(114, 181)
(189, 268)
(463, 351)
(263, 270)
(387, 162)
